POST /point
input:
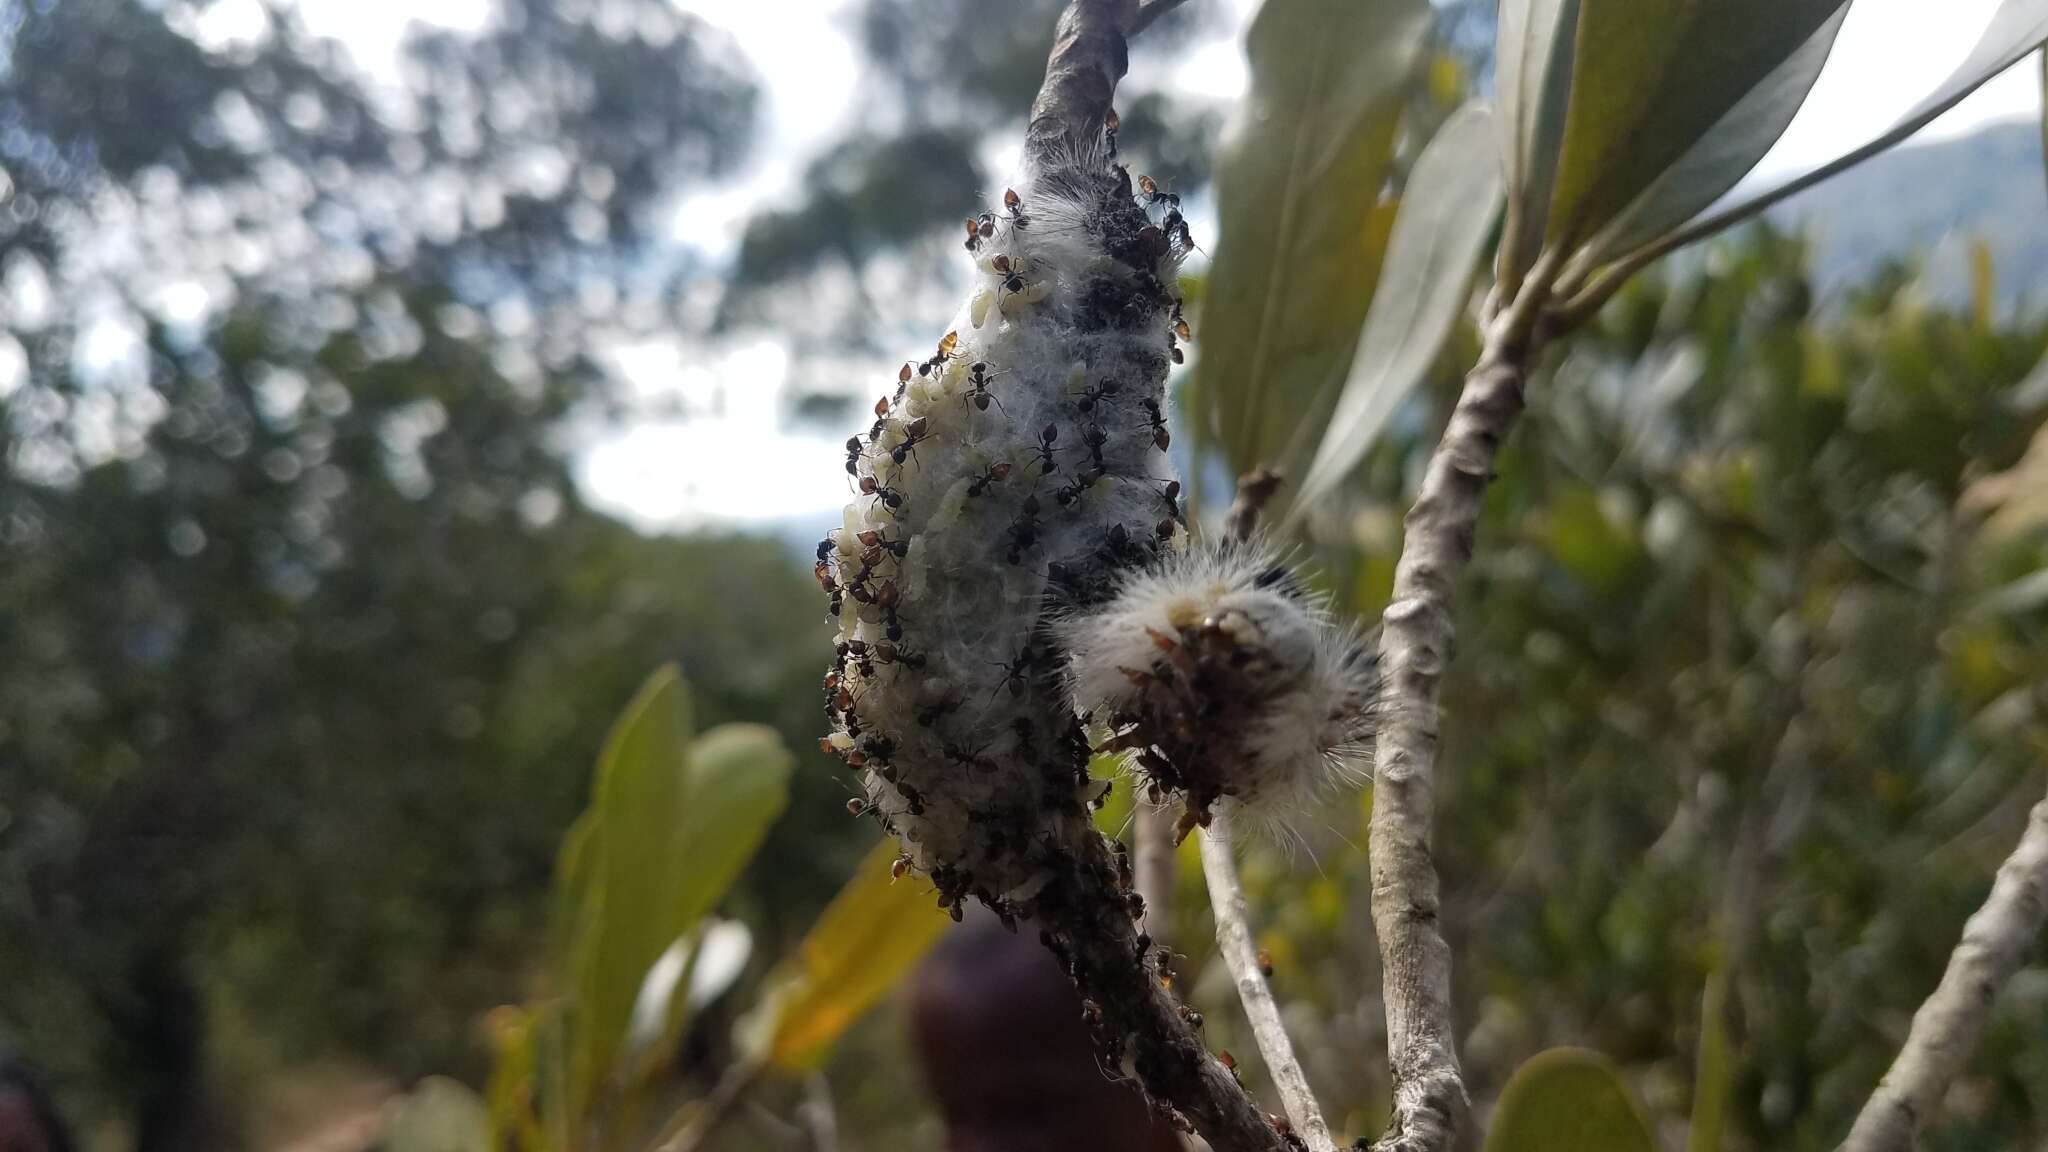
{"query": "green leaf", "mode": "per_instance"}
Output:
(874, 931)
(2017, 28)
(1446, 215)
(1650, 78)
(440, 1115)
(1719, 160)
(1569, 1100)
(1298, 251)
(1534, 48)
(1714, 1071)
(674, 824)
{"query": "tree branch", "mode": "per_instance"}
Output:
(1234, 940)
(1090, 51)
(1132, 1014)
(1946, 1028)
(1415, 647)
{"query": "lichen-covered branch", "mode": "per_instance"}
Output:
(1234, 941)
(1415, 648)
(1946, 1029)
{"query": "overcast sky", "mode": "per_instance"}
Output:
(741, 467)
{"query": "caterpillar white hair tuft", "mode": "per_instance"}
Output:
(1225, 682)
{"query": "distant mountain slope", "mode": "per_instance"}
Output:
(1931, 200)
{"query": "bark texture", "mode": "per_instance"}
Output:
(1415, 647)
(1946, 1029)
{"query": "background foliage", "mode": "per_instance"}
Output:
(308, 641)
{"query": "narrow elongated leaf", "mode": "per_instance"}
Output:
(1568, 1100)
(1713, 1067)
(1534, 48)
(867, 940)
(1726, 153)
(1650, 78)
(640, 782)
(1446, 215)
(674, 823)
(2017, 28)
(1297, 256)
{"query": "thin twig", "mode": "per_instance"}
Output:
(691, 1126)
(820, 1118)
(1945, 1030)
(1156, 869)
(1234, 941)
(1415, 647)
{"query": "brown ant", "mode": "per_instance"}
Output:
(1171, 494)
(947, 343)
(1014, 205)
(994, 473)
(964, 756)
(1012, 273)
(979, 376)
(1157, 419)
(1111, 122)
(1047, 437)
(826, 584)
(915, 433)
(890, 498)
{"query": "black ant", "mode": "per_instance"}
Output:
(1012, 274)
(853, 454)
(875, 541)
(914, 434)
(1153, 195)
(994, 473)
(1093, 395)
(892, 654)
(1017, 673)
(1024, 530)
(1171, 494)
(1110, 123)
(1014, 205)
(1047, 437)
(979, 376)
(1157, 419)
(912, 799)
(1072, 491)
(1027, 744)
(1094, 438)
(825, 548)
(964, 756)
(930, 714)
(857, 651)
(890, 498)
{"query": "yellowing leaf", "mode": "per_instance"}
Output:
(1568, 1100)
(867, 940)
(1296, 259)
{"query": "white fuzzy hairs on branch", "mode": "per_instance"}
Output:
(1226, 683)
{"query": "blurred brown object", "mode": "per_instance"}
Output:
(998, 1030)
